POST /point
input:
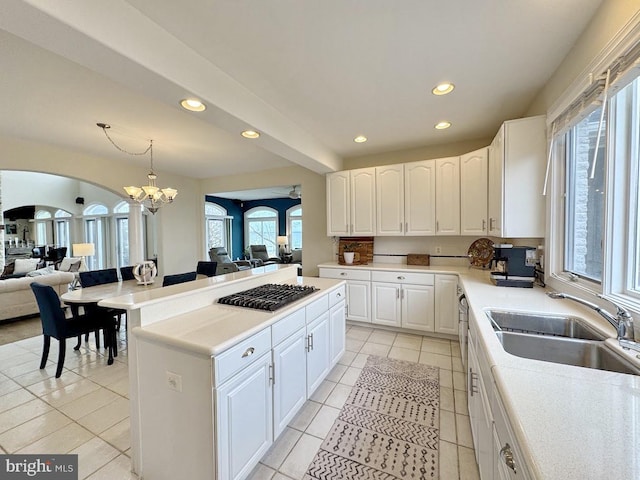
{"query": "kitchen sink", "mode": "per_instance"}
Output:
(568, 351)
(543, 324)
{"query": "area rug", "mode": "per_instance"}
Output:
(388, 428)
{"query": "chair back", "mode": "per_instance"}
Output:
(51, 313)
(219, 255)
(259, 252)
(98, 277)
(178, 278)
(207, 268)
(38, 252)
(57, 254)
(126, 273)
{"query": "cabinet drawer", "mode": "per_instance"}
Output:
(288, 325)
(345, 274)
(336, 296)
(403, 277)
(506, 437)
(242, 355)
(317, 308)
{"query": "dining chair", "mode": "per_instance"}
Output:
(92, 278)
(207, 268)
(126, 273)
(178, 278)
(56, 325)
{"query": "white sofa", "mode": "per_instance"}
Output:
(17, 298)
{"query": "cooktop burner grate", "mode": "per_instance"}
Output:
(270, 297)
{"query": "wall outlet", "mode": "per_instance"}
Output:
(438, 250)
(174, 381)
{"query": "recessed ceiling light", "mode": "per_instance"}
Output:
(360, 139)
(442, 125)
(443, 88)
(193, 105)
(250, 134)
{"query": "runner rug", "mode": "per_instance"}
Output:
(388, 428)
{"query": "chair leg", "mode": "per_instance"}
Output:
(110, 333)
(62, 347)
(77, 347)
(45, 351)
(97, 334)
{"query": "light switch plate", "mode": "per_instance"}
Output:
(174, 381)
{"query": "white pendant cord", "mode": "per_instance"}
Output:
(604, 107)
(546, 174)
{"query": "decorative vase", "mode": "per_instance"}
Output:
(348, 257)
(145, 272)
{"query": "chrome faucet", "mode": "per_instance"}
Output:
(622, 321)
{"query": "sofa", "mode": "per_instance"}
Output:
(17, 299)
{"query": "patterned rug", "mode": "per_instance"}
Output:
(388, 428)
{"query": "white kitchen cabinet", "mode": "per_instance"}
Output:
(245, 421)
(318, 352)
(417, 307)
(390, 200)
(358, 291)
(448, 196)
(386, 305)
(517, 160)
(351, 202)
(420, 198)
(337, 329)
(289, 372)
(480, 417)
(446, 308)
(507, 456)
(473, 192)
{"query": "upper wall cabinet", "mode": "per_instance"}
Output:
(516, 173)
(473, 192)
(351, 200)
(390, 200)
(448, 196)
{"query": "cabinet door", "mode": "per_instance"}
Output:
(363, 201)
(390, 200)
(289, 385)
(480, 418)
(420, 198)
(338, 204)
(337, 329)
(496, 192)
(245, 419)
(358, 301)
(317, 352)
(448, 196)
(385, 301)
(473, 192)
(447, 314)
(417, 307)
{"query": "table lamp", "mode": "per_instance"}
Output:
(83, 250)
(282, 242)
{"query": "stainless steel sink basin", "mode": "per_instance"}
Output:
(569, 351)
(543, 324)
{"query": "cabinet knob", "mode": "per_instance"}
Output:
(338, 294)
(400, 278)
(344, 274)
(248, 352)
(507, 457)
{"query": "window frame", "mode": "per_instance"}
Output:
(271, 249)
(290, 219)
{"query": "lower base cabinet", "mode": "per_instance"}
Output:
(289, 366)
(318, 362)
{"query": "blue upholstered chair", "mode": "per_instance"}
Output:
(178, 278)
(126, 273)
(207, 268)
(98, 277)
(54, 324)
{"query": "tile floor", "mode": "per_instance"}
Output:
(41, 414)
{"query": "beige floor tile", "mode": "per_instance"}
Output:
(106, 417)
(460, 399)
(350, 376)
(71, 392)
(459, 382)
(61, 441)
(360, 360)
(336, 373)
(121, 387)
(298, 461)
(23, 413)
(467, 464)
(380, 336)
(15, 398)
(405, 354)
(33, 430)
(95, 454)
(448, 461)
(358, 333)
(448, 426)
(27, 358)
(279, 476)
(463, 429)
(323, 391)
(86, 404)
(117, 469)
(435, 359)
(35, 376)
(51, 384)
(446, 399)
(261, 472)
(347, 358)
(323, 421)
(281, 448)
(375, 349)
(433, 345)
(303, 418)
(338, 396)
(455, 349)
(10, 350)
(354, 345)
(118, 435)
(446, 378)
(109, 374)
(408, 341)
(457, 364)
(7, 386)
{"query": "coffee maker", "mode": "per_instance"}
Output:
(514, 266)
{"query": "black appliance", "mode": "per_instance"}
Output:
(269, 297)
(515, 266)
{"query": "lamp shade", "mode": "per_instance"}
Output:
(84, 249)
(282, 240)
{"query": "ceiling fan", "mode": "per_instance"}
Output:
(294, 194)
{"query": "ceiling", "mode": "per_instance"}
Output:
(308, 75)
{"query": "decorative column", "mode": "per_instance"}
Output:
(2, 255)
(136, 246)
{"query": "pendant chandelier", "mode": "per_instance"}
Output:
(150, 195)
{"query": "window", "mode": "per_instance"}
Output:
(121, 218)
(41, 217)
(62, 236)
(294, 227)
(217, 226)
(261, 227)
(96, 228)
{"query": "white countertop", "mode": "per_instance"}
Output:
(215, 328)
